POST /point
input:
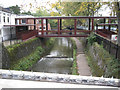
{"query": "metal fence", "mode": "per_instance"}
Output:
(110, 46)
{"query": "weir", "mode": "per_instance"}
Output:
(59, 60)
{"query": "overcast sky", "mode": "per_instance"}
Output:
(25, 3)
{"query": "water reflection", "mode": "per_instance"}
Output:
(62, 48)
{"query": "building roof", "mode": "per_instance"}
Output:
(5, 10)
(24, 16)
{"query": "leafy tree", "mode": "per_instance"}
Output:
(41, 12)
(56, 9)
(115, 11)
(27, 13)
(89, 8)
(15, 9)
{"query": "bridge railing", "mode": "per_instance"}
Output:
(60, 31)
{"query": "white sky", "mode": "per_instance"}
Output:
(45, 3)
(26, 3)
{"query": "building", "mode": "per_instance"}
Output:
(27, 26)
(6, 18)
(14, 26)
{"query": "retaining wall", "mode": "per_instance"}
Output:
(15, 52)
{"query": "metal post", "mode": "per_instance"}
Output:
(75, 23)
(58, 27)
(104, 22)
(89, 24)
(96, 26)
(46, 26)
(19, 21)
(92, 24)
(109, 25)
(34, 24)
(26, 21)
(42, 26)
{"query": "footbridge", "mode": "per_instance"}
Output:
(42, 26)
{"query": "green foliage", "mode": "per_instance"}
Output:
(95, 69)
(53, 24)
(15, 9)
(19, 44)
(91, 39)
(26, 62)
(41, 12)
(109, 66)
(56, 9)
(27, 13)
(74, 65)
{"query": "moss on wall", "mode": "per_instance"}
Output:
(100, 61)
(4, 58)
(25, 54)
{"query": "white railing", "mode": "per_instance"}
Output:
(53, 77)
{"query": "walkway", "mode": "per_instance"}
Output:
(83, 68)
(9, 83)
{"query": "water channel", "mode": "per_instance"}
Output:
(59, 59)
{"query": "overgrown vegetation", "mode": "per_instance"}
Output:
(100, 61)
(91, 39)
(14, 46)
(74, 65)
(28, 60)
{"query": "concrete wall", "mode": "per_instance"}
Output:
(2, 23)
(23, 50)
(16, 53)
(8, 33)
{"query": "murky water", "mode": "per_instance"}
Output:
(59, 60)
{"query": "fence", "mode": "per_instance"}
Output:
(110, 46)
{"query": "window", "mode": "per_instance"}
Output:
(4, 19)
(41, 27)
(23, 21)
(8, 19)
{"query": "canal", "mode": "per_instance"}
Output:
(59, 59)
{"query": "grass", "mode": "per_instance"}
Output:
(74, 65)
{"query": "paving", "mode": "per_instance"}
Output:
(8, 83)
(83, 68)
